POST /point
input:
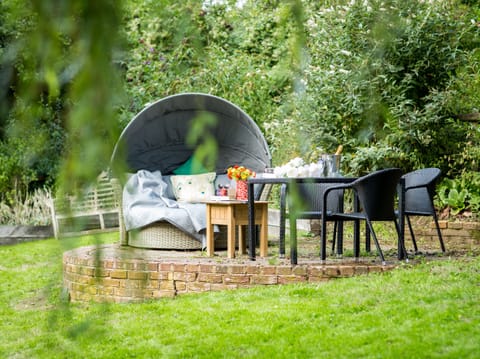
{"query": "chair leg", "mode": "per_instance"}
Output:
(281, 241)
(369, 224)
(293, 240)
(404, 249)
(334, 236)
(367, 240)
(439, 233)
(323, 240)
(411, 234)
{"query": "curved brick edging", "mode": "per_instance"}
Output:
(126, 274)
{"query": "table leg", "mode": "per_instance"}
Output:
(293, 231)
(210, 234)
(323, 236)
(264, 231)
(251, 222)
(231, 232)
(241, 239)
(281, 244)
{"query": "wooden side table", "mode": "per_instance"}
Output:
(234, 213)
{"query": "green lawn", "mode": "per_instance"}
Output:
(430, 310)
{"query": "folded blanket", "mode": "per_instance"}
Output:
(145, 202)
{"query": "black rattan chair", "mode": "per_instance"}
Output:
(310, 195)
(375, 195)
(419, 192)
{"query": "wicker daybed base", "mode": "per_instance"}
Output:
(162, 235)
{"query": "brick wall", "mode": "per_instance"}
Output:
(461, 235)
(119, 278)
(115, 279)
(457, 235)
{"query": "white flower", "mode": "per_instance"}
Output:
(298, 168)
(279, 171)
(313, 170)
(292, 172)
(297, 162)
(303, 171)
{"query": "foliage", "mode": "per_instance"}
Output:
(240, 54)
(30, 160)
(390, 69)
(461, 194)
(56, 62)
(363, 77)
(31, 210)
(378, 315)
(388, 79)
(31, 133)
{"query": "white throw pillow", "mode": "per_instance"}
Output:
(193, 188)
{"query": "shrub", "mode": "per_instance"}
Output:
(460, 195)
(382, 82)
(31, 209)
(388, 79)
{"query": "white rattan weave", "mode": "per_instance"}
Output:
(162, 235)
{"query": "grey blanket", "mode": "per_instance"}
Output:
(145, 201)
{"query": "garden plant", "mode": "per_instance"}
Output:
(393, 81)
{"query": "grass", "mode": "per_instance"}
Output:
(429, 310)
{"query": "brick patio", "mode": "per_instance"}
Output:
(114, 273)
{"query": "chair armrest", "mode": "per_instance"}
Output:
(333, 188)
(417, 186)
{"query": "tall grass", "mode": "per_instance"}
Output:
(429, 310)
(29, 209)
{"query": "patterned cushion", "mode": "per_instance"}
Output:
(193, 188)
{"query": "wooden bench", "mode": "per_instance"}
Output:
(96, 211)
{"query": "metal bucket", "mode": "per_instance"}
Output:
(332, 165)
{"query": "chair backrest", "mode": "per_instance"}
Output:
(262, 191)
(420, 200)
(312, 197)
(376, 193)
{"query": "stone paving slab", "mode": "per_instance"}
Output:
(12, 234)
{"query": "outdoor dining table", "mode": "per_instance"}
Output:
(289, 182)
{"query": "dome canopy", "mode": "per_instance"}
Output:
(155, 139)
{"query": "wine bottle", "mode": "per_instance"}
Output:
(339, 150)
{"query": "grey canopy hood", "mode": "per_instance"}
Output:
(155, 138)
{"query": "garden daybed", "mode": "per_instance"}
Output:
(153, 147)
